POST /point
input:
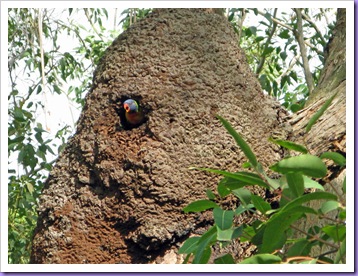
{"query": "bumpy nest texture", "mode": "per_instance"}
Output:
(116, 194)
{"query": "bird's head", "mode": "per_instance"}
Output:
(131, 106)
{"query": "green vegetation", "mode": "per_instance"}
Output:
(273, 231)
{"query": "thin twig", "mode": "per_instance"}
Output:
(315, 237)
(274, 19)
(289, 68)
(309, 20)
(304, 258)
(92, 25)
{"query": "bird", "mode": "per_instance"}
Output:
(133, 113)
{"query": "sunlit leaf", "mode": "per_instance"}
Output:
(288, 145)
(260, 204)
(337, 158)
(306, 164)
(223, 218)
(200, 205)
(262, 259)
(240, 142)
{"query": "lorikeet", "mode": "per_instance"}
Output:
(133, 112)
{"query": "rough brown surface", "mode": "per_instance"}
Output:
(116, 195)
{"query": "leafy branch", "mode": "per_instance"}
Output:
(269, 231)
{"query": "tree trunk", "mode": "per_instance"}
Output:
(116, 194)
(329, 133)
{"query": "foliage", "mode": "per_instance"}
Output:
(132, 15)
(37, 66)
(273, 231)
(274, 53)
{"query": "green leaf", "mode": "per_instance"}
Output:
(341, 253)
(205, 256)
(222, 189)
(342, 214)
(38, 137)
(30, 187)
(289, 145)
(240, 142)
(231, 182)
(274, 183)
(203, 250)
(210, 194)
(244, 195)
(286, 196)
(16, 140)
(284, 34)
(226, 259)
(268, 16)
(229, 234)
(274, 236)
(295, 183)
(306, 164)
(200, 205)
(337, 158)
(268, 50)
(308, 197)
(239, 210)
(296, 107)
(248, 234)
(189, 246)
(223, 218)
(309, 183)
(313, 261)
(186, 260)
(329, 206)
(319, 113)
(300, 248)
(260, 204)
(344, 185)
(246, 165)
(336, 232)
(262, 259)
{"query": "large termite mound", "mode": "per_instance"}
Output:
(116, 194)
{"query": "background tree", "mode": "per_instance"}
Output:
(97, 44)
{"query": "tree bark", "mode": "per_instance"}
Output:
(329, 133)
(116, 195)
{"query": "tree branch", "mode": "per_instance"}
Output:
(274, 19)
(291, 65)
(267, 43)
(92, 25)
(309, 20)
(241, 23)
(299, 37)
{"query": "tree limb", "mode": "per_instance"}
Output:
(241, 23)
(267, 43)
(274, 19)
(299, 37)
(309, 20)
